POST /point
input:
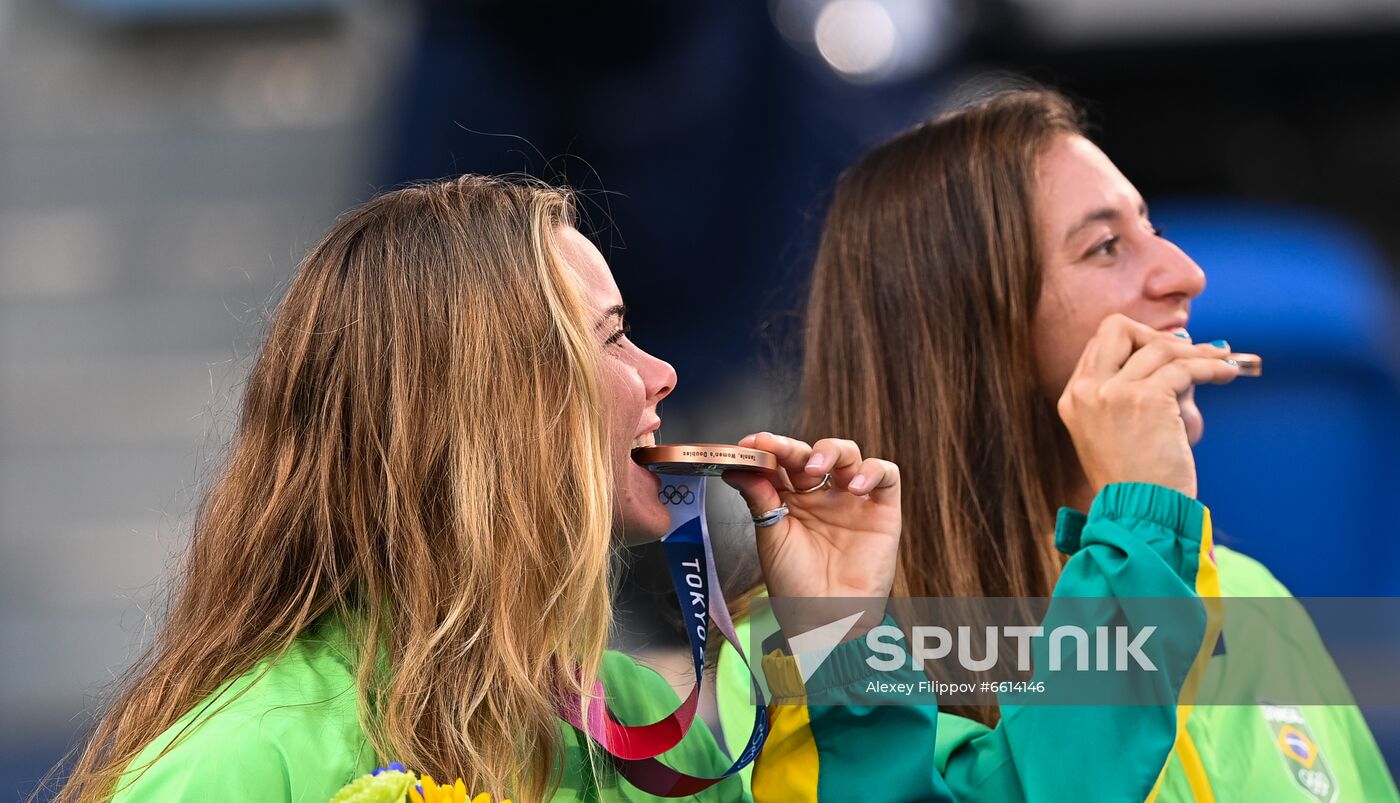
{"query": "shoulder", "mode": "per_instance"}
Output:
(287, 730)
(636, 693)
(1243, 576)
(640, 695)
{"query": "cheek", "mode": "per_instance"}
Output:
(626, 398)
(1059, 332)
(1068, 316)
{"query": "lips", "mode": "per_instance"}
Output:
(1177, 323)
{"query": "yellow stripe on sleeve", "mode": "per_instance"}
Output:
(1208, 588)
(788, 767)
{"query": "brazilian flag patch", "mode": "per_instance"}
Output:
(1302, 757)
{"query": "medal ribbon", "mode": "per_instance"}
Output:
(633, 749)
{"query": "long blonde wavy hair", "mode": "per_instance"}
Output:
(430, 367)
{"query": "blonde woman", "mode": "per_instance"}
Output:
(407, 554)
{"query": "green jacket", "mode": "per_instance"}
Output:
(288, 731)
(1241, 752)
(1219, 752)
(1138, 541)
(294, 735)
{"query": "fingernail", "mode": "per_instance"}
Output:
(858, 484)
(1220, 344)
(1231, 362)
(817, 463)
(1182, 335)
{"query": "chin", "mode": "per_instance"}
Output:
(641, 516)
(644, 526)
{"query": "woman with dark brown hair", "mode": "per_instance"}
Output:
(972, 271)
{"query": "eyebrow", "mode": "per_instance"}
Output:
(616, 310)
(1106, 214)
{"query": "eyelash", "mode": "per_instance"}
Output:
(619, 334)
(1103, 247)
(1111, 242)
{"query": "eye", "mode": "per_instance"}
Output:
(1108, 247)
(616, 337)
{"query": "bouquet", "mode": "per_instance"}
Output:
(395, 784)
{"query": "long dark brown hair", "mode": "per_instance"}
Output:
(918, 345)
(430, 367)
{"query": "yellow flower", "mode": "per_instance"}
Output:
(456, 793)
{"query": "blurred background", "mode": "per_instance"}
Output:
(165, 163)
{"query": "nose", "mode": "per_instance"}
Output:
(659, 376)
(1173, 273)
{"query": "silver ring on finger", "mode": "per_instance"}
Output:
(771, 517)
(821, 486)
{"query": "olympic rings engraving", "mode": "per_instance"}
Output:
(676, 495)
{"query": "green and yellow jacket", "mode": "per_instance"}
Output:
(288, 731)
(1137, 541)
(1283, 753)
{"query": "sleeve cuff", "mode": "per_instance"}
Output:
(844, 668)
(1069, 524)
(1141, 501)
(784, 679)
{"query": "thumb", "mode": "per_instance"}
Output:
(757, 490)
(1191, 417)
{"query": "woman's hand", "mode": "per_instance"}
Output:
(838, 542)
(1124, 406)
(1190, 413)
